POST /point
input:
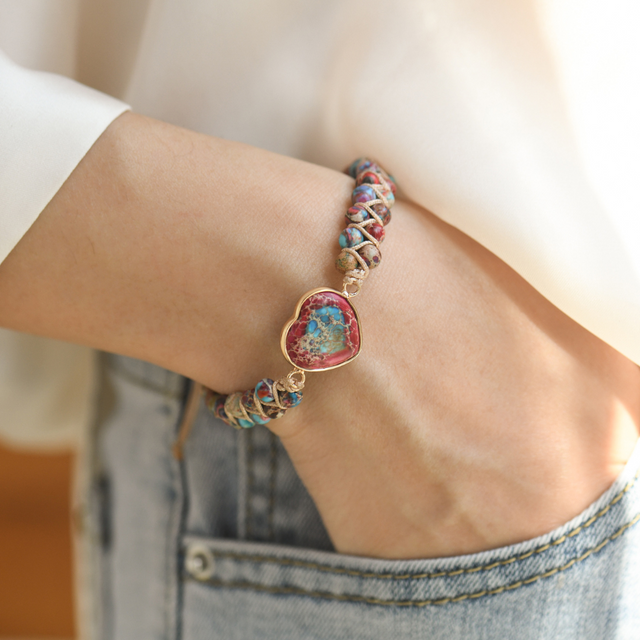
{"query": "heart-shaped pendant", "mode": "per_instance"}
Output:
(324, 332)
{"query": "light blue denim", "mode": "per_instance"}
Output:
(228, 544)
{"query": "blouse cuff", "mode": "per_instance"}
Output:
(47, 125)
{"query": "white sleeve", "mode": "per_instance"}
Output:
(47, 125)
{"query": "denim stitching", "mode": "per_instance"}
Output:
(440, 574)
(175, 525)
(421, 603)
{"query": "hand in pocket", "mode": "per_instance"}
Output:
(476, 416)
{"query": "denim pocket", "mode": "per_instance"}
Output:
(227, 544)
(575, 582)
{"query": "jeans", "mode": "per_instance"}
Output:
(227, 543)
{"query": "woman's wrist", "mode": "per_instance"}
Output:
(177, 248)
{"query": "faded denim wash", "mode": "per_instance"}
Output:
(227, 544)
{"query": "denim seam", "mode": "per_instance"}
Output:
(175, 525)
(179, 517)
(439, 574)
(420, 603)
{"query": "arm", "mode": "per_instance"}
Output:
(477, 415)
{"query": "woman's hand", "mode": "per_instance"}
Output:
(477, 414)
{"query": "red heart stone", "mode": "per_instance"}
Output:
(324, 332)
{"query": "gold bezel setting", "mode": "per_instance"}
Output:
(296, 316)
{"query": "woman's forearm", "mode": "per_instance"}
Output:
(177, 248)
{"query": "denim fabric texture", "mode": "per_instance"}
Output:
(227, 544)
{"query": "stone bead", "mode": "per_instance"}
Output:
(264, 390)
(383, 212)
(218, 408)
(350, 237)
(392, 184)
(388, 194)
(274, 412)
(377, 231)
(369, 177)
(363, 193)
(346, 262)
(358, 166)
(368, 166)
(357, 214)
(371, 255)
(249, 404)
(235, 411)
(375, 174)
(248, 401)
(352, 169)
(290, 400)
(385, 178)
(364, 165)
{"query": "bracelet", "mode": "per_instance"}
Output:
(324, 332)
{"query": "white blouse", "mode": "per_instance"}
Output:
(516, 122)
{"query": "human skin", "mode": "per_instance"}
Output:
(477, 415)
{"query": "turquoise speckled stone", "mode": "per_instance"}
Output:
(264, 390)
(324, 334)
(363, 193)
(358, 166)
(383, 212)
(351, 237)
(234, 409)
(388, 194)
(290, 400)
(357, 213)
(249, 404)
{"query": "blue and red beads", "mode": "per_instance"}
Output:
(369, 177)
(384, 213)
(358, 166)
(372, 199)
(350, 237)
(363, 193)
(264, 390)
(357, 213)
(244, 410)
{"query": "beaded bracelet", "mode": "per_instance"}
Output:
(324, 332)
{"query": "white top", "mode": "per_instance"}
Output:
(514, 121)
